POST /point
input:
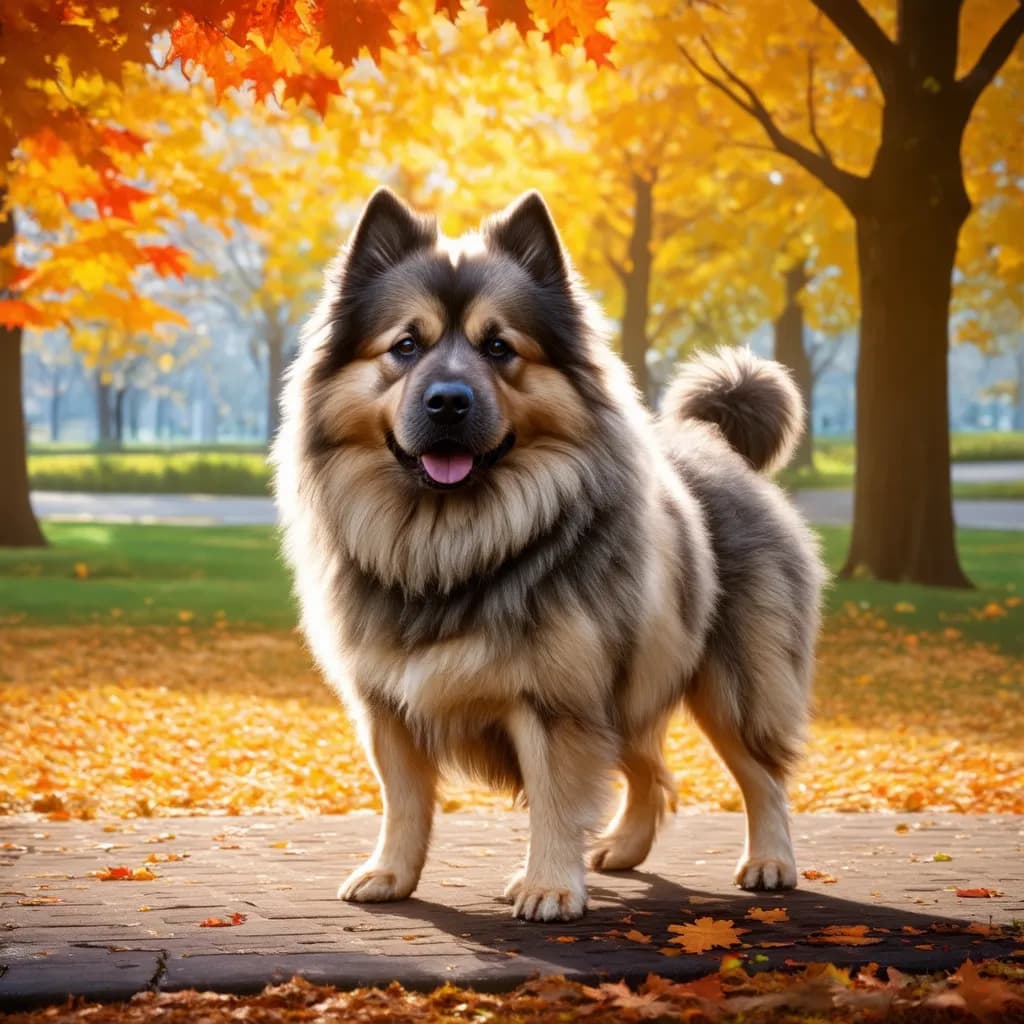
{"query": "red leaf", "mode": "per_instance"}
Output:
(18, 313)
(349, 27)
(167, 260)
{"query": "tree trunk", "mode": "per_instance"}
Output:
(1018, 408)
(117, 417)
(903, 525)
(790, 351)
(104, 420)
(134, 413)
(636, 280)
(908, 225)
(55, 397)
(275, 371)
(18, 524)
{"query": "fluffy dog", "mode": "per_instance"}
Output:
(507, 568)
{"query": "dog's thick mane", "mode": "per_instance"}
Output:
(572, 552)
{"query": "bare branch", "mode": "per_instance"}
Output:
(666, 320)
(812, 116)
(619, 268)
(819, 367)
(847, 186)
(992, 58)
(864, 34)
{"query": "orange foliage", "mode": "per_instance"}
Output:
(110, 720)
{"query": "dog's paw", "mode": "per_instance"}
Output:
(514, 884)
(618, 852)
(766, 873)
(375, 884)
(533, 900)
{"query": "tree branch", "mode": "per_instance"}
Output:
(819, 367)
(812, 117)
(847, 186)
(619, 268)
(992, 58)
(864, 34)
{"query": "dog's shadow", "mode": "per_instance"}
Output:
(625, 932)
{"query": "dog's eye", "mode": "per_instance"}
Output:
(497, 348)
(405, 347)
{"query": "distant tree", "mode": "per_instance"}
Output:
(909, 206)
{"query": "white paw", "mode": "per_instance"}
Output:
(536, 900)
(375, 884)
(766, 872)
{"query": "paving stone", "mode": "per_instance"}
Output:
(99, 942)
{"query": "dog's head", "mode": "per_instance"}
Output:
(448, 355)
(446, 389)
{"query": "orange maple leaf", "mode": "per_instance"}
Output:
(18, 313)
(768, 916)
(843, 935)
(706, 933)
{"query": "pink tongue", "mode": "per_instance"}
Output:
(449, 468)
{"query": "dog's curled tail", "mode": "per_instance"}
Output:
(752, 401)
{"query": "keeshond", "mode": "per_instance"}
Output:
(508, 568)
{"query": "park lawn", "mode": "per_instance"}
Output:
(148, 575)
(152, 471)
(163, 575)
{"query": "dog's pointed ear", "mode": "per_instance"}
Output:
(386, 234)
(526, 232)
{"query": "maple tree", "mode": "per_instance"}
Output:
(54, 58)
(921, 71)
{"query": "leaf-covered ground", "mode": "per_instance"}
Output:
(818, 992)
(124, 721)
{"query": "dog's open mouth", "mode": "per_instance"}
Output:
(448, 464)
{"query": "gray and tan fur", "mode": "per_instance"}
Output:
(537, 622)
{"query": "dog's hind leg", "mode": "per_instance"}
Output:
(408, 782)
(757, 745)
(564, 765)
(649, 788)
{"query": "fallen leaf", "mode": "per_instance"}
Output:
(843, 935)
(219, 922)
(706, 933)
(813, 875)
(770, 916)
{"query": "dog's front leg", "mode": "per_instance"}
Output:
(408, 783)
(564, 768)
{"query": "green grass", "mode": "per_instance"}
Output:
(152, 472)
(151, 574)
(834, 460)
(992, 559)
(967, 446)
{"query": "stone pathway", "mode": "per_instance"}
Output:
(64, 932)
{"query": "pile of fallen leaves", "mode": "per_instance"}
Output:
(821, 992)
(113, 720)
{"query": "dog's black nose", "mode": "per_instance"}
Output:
(448, 401)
